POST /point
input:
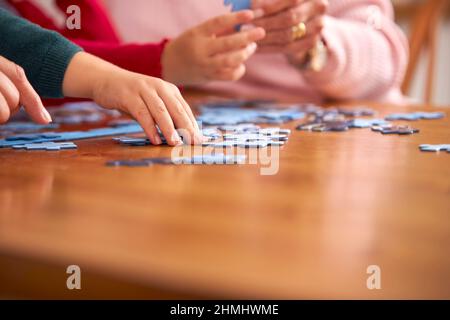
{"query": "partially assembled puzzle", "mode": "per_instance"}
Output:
(225, 124)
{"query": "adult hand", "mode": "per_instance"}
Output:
(15, 90)
(293, 27)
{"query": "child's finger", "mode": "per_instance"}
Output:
(28, 97)
(236, 41)
(225, 22)
(141, 113)
(4, 110)
(9, 92)
(234, 59)
(231, 74)
(179, 115)
(162, 117)
(188, 111)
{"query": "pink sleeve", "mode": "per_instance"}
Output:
(368, 53)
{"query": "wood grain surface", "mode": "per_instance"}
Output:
(339, 203)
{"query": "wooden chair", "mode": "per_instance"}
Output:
(428, 16)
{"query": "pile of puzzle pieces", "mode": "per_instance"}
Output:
(242, 135)
(338, 120)
(229, 123)
(236, 112)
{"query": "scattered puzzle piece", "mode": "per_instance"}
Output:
(357, 112)
(238, 5)
(47, 146)
(393, 129)
(413, 116)
(26, 127)
(234, 115)
(73, 135)
(217, 159)
(435, 147)
(367, 123)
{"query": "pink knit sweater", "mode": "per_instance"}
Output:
(368, 53)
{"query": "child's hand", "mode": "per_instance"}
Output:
(211, 51)
(151, 101)
(15, 90)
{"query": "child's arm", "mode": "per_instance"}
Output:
(56, 67)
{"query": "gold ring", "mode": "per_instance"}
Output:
(298, 31)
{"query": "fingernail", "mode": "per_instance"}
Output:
(46, 115)
(258, 13)
(157, 139)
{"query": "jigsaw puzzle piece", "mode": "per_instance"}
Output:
(413, 116)
(435, 147)
(367, 123)
(47, 146)
(238, 5)
(393, 129)
(216, 159)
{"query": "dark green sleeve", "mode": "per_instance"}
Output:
(43, 54)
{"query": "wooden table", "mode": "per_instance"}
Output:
(339, 203)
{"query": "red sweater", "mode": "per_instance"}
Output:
(98, 36)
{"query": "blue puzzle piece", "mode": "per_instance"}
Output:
(47, 146)
(231, 115)
(413, 116)
(238, 5)
(76, 135)
(435, 147)
(217, 159)
(33, 137)
(22, 127)
(367, 123)
(393, 129)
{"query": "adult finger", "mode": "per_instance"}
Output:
(300, 45)
(28, 96)
(274, 7)
(302, 13)
(284, 37)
